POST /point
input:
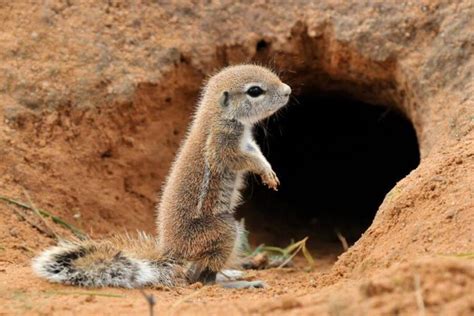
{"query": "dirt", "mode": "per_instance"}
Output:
(95, 98)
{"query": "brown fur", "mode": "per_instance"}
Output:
(195, 218)
(205, 231)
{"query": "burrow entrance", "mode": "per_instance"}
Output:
(336, 158)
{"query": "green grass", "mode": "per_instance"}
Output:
(76, 231)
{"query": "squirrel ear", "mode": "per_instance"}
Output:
(224, 99)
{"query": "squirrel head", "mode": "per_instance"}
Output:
(247, 93)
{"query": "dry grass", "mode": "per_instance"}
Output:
(278, 257)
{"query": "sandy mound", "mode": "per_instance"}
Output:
(95, 98)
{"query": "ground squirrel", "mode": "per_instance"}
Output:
(197, 233)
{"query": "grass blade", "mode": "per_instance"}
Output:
(275, 249)
(54, 218)
(86, 293)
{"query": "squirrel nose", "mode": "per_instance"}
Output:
(286, 90)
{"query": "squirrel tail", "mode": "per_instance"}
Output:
(119, 262)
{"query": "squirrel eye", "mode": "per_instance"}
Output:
(255, 91)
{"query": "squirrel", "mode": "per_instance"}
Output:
(198, 235)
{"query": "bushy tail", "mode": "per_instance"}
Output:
(119, 262)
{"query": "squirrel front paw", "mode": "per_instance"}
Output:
(271, 180)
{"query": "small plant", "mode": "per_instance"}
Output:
(45, 214)
(277, 257)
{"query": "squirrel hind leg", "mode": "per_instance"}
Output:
(200, 273)
(225, 252)
(208, 276)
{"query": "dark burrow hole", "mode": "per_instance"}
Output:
(336, 158)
